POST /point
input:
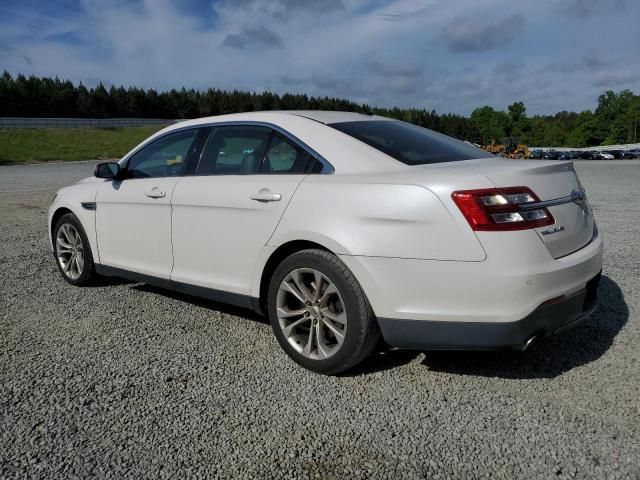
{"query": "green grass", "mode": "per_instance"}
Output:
(66, 144)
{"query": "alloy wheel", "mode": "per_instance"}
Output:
(70, 251)
(311, 313)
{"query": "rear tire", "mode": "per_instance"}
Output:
(328, 329)
(72, 251)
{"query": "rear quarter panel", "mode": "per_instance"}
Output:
(356, 216)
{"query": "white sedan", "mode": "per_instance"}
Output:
(344, 229)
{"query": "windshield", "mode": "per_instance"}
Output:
(409, 143)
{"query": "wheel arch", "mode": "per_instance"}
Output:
(276, 257)
(54, 219)
(86, 219)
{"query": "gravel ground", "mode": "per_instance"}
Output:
(126, 380)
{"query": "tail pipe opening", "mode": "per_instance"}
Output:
(528, 343)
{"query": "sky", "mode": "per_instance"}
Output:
(447, 55)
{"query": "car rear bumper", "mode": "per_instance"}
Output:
(544, 321)
(499, 302)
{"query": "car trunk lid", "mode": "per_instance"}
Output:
(558, 187)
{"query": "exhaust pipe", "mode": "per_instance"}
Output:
(528, 343)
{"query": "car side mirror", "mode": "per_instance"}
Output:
(107, 170)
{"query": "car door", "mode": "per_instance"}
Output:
(133, 214)
(225, 214)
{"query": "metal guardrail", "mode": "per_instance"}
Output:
(28, 122)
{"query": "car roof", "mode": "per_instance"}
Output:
(328, 116)
(321, 116)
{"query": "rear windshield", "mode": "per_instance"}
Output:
(409, 143)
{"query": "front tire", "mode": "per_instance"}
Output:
(319, 313)
(72, 251)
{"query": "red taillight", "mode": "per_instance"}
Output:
(499, 209)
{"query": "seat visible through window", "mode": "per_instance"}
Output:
(233, 150)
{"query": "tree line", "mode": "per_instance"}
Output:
(615, 120)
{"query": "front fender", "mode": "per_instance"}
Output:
(71, 198)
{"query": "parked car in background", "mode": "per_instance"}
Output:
(602, 156)
(628, 154)
(617, 154)
(342, 228)
(586, 155)
(537, 154)
(563, 156)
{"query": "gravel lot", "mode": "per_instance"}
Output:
(126, 380)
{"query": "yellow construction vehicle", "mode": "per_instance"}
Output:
(509, 148)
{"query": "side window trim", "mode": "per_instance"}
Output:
(266, 150)
(327, 168)
(193, 161)
(211, 130)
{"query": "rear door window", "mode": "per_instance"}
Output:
(234, 150)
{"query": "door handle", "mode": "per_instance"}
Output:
(155, 193)
(265, 195)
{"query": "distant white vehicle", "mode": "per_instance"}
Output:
(343, 228)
